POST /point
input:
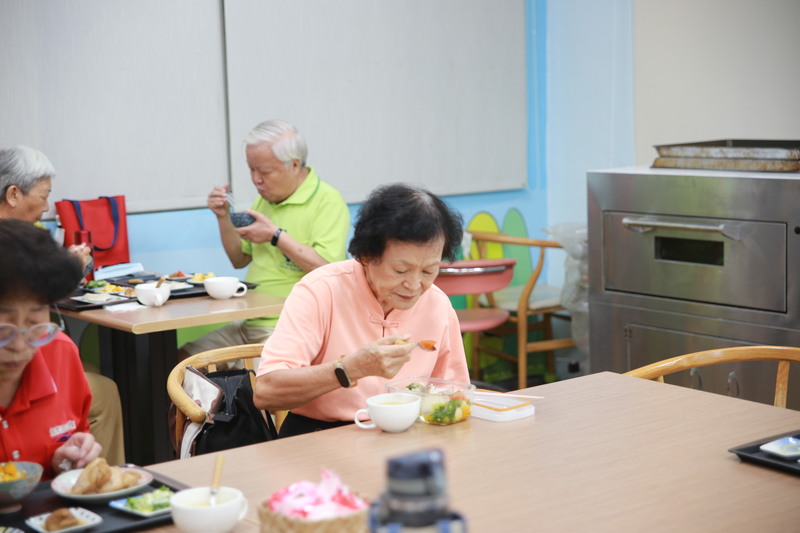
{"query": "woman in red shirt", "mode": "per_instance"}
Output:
(44, 396)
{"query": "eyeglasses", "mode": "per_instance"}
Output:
(36, 335)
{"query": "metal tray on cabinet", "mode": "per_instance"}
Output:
(731, 154)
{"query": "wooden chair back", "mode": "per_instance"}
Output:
(249, 354)
(526, 305)
(785, 355)
(474, 277)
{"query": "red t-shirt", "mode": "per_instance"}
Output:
(51, 403)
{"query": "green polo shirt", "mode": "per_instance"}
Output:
(315, 215)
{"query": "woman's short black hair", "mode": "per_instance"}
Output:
(33, 265)
(402, 212)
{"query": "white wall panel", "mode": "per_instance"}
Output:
(124, 97)
(413, 90)
(131, 97)
(715, 69)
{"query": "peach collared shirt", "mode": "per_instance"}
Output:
(332, 311)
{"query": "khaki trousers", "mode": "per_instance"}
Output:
(105, 417)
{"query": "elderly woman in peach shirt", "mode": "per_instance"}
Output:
(335, 344)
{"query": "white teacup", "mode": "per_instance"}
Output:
(150, 295)
(393, 412)
(192, 514)
(224, 287)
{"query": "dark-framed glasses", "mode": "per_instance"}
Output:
(36, 335)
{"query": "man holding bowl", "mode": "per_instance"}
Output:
(300, 223)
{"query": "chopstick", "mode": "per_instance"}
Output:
(508, 395)
(231, 201)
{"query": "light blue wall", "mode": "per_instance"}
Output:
(589, 82)
(589, 98)
(580, 115)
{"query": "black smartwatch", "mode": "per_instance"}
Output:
(275, 236)
(341, 375)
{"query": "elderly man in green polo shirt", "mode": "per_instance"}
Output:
(301, 223)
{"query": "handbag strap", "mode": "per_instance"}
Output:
(112, 202)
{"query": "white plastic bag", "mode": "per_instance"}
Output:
(575, 293)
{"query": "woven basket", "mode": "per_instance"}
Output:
(272, 522)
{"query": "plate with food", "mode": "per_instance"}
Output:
(102, 287)
(178, 285)
(100, 298)
(153, 503)
(99, 482)
(178, 275)
(64, 520)
(198, 278)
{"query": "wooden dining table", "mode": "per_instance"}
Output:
(603, 452)
(138, 349)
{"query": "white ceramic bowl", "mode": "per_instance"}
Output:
(224, 287)
(150, 295)
(192, 514)
(393, 412)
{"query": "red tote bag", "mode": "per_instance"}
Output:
(106, 218)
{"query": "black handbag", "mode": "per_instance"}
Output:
(236, 421)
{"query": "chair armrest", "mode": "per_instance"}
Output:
(183, 401)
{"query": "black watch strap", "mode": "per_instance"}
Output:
(275, 236)
(341, 375)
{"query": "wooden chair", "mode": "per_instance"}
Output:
(474, 277)
(783, 354)
(526, 301)
(186, 406)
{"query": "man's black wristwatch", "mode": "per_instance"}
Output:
(341, 375)
(275, 236)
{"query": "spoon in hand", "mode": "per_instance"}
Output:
(215, 480)
(428, 346)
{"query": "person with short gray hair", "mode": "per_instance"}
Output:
(25, 182)
(298, 223)
(286, 141)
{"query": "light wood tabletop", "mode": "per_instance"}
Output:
(138, 349)
(603, 452)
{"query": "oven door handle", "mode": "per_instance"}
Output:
(642, 225)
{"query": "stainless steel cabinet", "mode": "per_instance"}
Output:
(683, 261)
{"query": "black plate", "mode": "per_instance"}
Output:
(44, 500)
(751, 452)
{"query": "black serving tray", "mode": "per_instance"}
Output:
(752, 453)
(75, 305)
(44, 500)
(196, 289)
